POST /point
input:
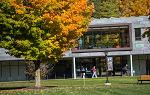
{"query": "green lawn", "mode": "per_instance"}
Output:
(120, 86)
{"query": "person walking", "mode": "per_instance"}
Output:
(94, 72)
(82, 72)
(125, 70)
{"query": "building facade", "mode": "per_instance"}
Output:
(11, 68)
(120, 39)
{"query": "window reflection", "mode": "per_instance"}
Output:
(105, 37)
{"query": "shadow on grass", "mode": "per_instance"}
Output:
(11, 88)
(128, 83)
(26, 88)
(137, 83)
(144, 83)
(41, 88)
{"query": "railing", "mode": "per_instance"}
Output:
(102, 48)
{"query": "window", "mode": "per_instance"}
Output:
(105, 37)
(137, 34)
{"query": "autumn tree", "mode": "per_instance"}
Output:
(41, 30)
(134, 7)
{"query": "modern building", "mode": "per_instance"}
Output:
(118, 39)
(121, 39)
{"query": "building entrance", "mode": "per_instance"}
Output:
(119, 62)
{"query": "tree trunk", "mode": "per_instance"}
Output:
(37, 74)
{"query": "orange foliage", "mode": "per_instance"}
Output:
(19, 11)
(134, 7)
(64, 18)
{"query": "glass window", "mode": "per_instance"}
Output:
(137, 34)
(105, 37)
(88, 40)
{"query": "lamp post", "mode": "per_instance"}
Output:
(106, 62)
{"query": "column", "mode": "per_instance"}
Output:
(74, 68)
(131, 65)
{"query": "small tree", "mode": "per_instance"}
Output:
(44, 68)
(41, 30)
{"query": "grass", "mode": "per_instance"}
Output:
(89, 86)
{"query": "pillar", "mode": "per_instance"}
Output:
(74, 68)
(131, 65)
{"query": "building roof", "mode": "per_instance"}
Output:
(134, 20)
(4, 56)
